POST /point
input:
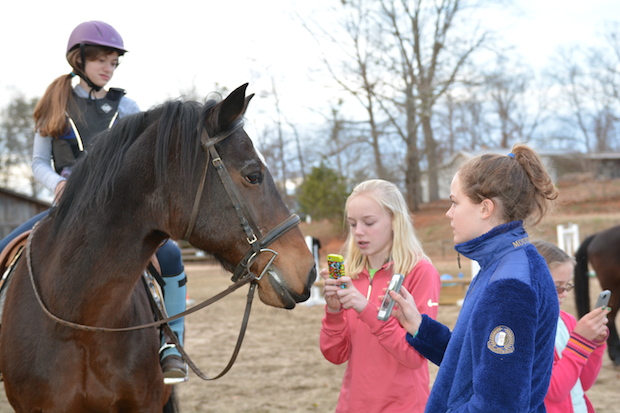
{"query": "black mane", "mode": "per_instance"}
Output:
(173, 126)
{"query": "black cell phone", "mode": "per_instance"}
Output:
(603, 299)
(388, 302)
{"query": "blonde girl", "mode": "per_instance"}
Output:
(384, 373)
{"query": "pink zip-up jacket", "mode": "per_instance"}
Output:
(581, 359)
(384, 373)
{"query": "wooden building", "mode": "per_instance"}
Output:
(16, 208)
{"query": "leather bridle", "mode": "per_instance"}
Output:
(241, 275)
(257, 246)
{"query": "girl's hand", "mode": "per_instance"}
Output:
(58, 190)
(405, 311)
(593, 325)
(350, 297)
(337, 297)
(330, 289)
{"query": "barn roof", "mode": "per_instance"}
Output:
(28, 198)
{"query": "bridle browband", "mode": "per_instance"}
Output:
(241, 275)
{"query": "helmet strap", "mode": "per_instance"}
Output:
(82, 72)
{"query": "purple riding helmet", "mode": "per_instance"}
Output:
(96, 33)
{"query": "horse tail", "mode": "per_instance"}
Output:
(172, 405)
(582, 283)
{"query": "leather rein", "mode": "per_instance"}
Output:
(241, 275)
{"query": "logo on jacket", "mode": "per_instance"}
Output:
(106, 107)
(521, 242)
(501, 340)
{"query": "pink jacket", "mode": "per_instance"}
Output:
(384, 373)
(581, 359)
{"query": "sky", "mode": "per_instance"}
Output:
(175, 46)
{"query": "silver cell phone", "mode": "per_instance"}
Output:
(388, 302)
(603, 299)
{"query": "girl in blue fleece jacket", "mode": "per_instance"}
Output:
(500, 354)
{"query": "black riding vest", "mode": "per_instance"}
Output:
(85, 119)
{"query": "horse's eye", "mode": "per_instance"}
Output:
(254, 178)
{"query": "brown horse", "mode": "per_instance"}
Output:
(181, 170)
(602, 251)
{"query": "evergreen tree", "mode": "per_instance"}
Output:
(323, 194)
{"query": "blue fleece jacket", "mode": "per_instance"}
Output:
(500, 354)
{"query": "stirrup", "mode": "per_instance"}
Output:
(166, 347)
(176, 372)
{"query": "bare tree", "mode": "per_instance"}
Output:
(612, 64)
(404, 55)
(433, 48)
(281, 165)
(16, 134)
(462, 121)
(589, 95)
(360, 74)
(519, 107)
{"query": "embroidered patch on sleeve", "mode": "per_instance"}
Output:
(501, 340)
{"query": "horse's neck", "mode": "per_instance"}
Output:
(98, 269)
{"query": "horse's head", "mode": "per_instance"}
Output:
(189, 171)
(239, 216)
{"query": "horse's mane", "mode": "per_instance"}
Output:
(172, 126)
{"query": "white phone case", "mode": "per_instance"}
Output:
(388, 303)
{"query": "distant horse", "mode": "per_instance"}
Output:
(183, 171)
(602, 251)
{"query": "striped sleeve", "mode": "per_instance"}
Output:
(581, 346)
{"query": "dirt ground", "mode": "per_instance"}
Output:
(280, 368)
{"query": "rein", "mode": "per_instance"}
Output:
(157, 323)
(241, 275)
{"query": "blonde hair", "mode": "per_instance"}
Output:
(50, 112)
(519, 181)
(552, 254)
(406, 250)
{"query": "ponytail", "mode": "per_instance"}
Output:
(49, 114)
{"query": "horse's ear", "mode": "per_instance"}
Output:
(233, 107)
(247, 100)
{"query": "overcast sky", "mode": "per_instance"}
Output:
(176, 45)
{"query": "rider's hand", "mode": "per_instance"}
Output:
(60, 187)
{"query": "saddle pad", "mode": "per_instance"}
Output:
(8, 254)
